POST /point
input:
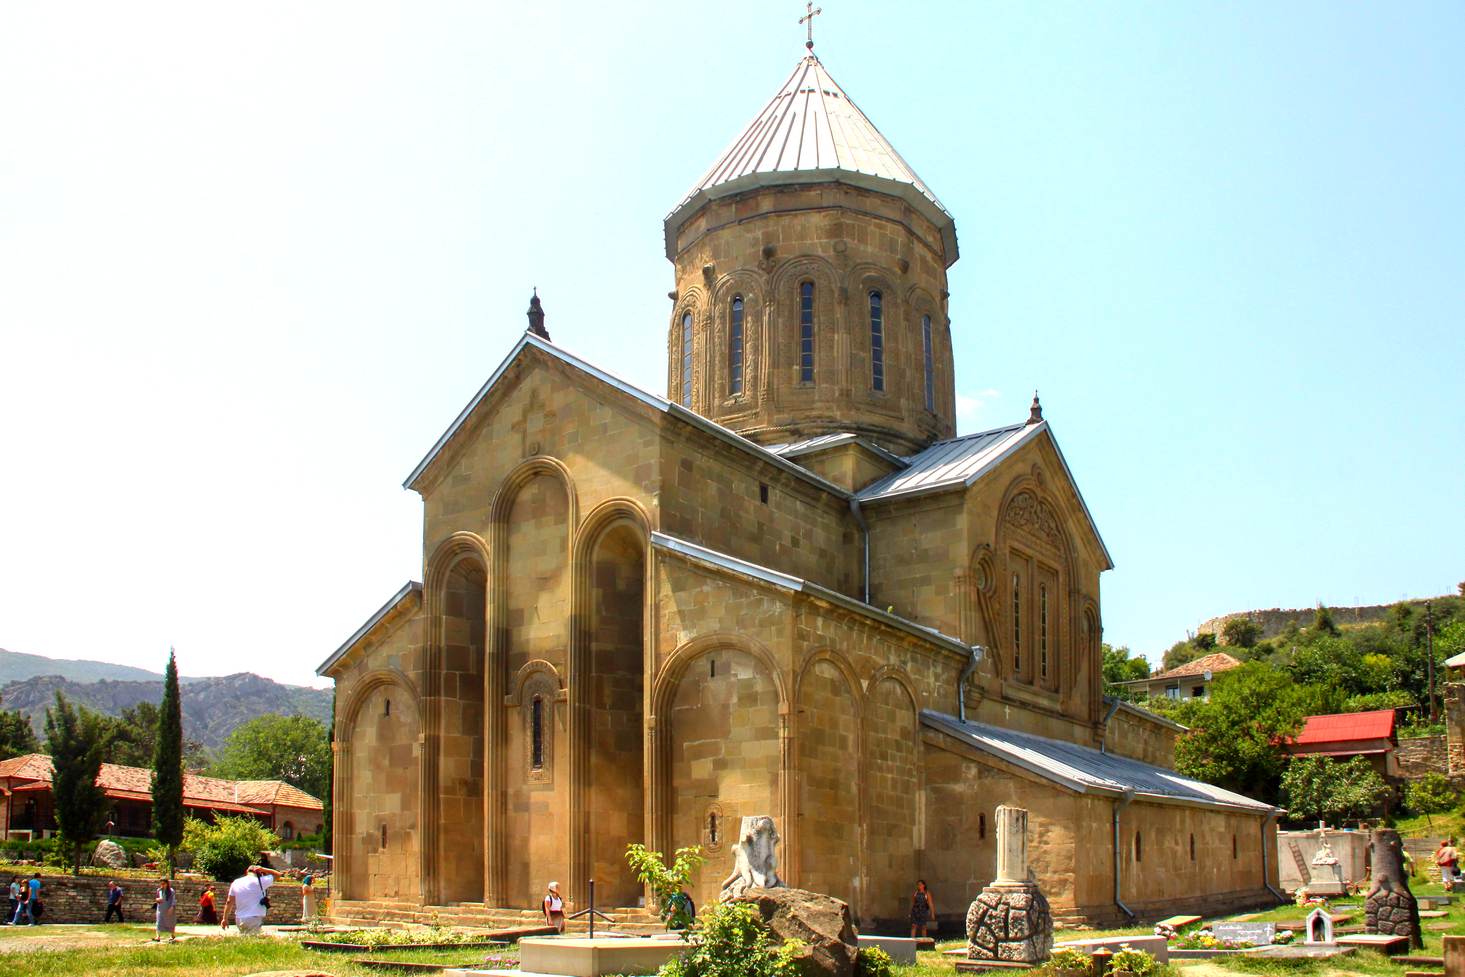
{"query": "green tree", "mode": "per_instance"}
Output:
(227, 847)
(328, 803)
(289, 748)
(78, 740)
(16, 735)
(1179, 654)
(1241, 632)
(1120, 667)
(1315, 787)
(666, 883)
(167, 778)
(1235, 737)
(1204, 642)
(1430, 794)
(1322, 620)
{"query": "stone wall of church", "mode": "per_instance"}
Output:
(761, 246)
(378, 761)
(1071, 847)
(1143, 739)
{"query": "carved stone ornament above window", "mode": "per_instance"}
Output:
(1026, 511)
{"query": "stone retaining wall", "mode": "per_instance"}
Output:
(1422, 755)
(69, 899)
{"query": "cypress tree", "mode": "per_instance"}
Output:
(168, 766)
(77, 742)
(325, 828)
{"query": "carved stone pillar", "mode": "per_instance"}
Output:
(1012, 845)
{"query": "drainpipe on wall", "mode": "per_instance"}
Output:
(1104, 726)
(854, 508)
(1266, 862)
(1119, 807)
(977, 653)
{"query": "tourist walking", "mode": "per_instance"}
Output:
(114, 903)
(1448, 859)
(248, 899)
(30, 901)
(307, 897)
(207, 913)
(166, 905)
(923, 910)
(554, 907)
(16, 887)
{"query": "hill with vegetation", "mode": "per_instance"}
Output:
(212, 707)
(1307, 669)
(17, 666)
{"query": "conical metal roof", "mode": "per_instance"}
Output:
(812, 132)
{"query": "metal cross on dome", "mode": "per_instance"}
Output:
(808, 19)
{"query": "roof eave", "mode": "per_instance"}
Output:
(923, 204)
(409, 589)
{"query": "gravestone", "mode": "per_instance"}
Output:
(1257, 934)
(1010, 921)
(1319, 927)
(1327, 872)
(1391, 909)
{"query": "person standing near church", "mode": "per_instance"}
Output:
(554, 907)
(923, 910)
(248, 899)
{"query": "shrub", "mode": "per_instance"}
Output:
(1430, 794)
(666, 884)
(734, 943)
(1068, 962)
(871, 961)
(1136, 963)
(227, 847)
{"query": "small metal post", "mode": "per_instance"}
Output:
(591, 912)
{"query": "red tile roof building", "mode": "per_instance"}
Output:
(1189, 681)
(25, 792)
(1371, 734)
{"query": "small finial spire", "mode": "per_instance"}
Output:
(536, 316)
(808, 19)
(1035, 414)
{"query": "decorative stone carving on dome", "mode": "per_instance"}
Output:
(1026, 511)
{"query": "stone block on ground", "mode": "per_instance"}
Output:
(109, 854)
(821, 923)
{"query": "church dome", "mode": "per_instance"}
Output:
(810, 265)
(811, 131)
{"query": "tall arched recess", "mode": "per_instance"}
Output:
(615, 711)
(461, 605)
(378, 852)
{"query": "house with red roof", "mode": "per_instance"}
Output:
(27, 809)
(1189, 681)
(1370, 734)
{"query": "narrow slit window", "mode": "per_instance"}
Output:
(687, 360)
(877, 342)
(806, 332)
(387, 709)
(1192, 848)
(536, 732)
(1139, 848)
(384, 835)
(1233, 848)
(1043, 629)
(735, 347)
(1017, 622)
(712, 827)
(929, 362)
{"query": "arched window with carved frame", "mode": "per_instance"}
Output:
(735, 347)
(806, 332)
(687, 360)
(877, 341)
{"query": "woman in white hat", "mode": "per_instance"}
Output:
(554, 907)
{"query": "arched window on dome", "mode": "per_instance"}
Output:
(877, 342)
(687, 360)
(806, 332)
(1043, 631)
(929, 361)
(735, 347)
(1016, 624)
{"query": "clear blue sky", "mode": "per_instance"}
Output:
(254, 259)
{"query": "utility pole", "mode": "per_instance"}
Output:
(1434, 714)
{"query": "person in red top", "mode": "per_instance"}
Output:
(1447, 857)
(554, 907)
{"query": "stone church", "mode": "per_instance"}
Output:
(786, 588)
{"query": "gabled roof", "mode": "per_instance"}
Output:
(411, 590)
(1456, 661)
(809, 446)
(27, 766)
(528, 340)
(812, 132)
(960, 462)
(1346, 727)
(1218, 662)
(1087, 770)
(785, 581)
